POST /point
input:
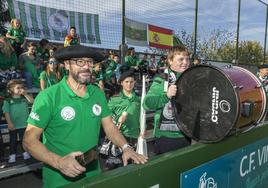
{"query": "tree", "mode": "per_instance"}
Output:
(218, 45)
(250, 52)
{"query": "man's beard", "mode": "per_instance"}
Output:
(76, 76)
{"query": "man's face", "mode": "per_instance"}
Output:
(72, 32)
(179, 63)
(80, 69)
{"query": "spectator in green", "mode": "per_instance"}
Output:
(125, 107)
(131, 59)
(72, 38)
(118, 66)
(16, 113)
(30, 65)
(97, 75)
(17, 36)
(161, 64)
(42, 51)
(8, 58)
(168, 136)
(50, 75)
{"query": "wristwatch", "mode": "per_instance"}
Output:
(125, 146)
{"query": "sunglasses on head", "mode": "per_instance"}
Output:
(52, 62)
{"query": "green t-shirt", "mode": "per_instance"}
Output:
(131, 61)
(71, 123)
(156, 99)
(30, 65)
(161, 64)
(50, 79)
(8, 62)
(18, 111)
(131, 105)
(42, 53)
(18, 33)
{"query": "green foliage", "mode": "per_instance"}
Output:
(220, 45)
(250, 52)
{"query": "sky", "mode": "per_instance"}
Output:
(177, 15)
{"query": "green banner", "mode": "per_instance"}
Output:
(53, 24)
(136, 33)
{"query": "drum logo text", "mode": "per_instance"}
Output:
(215, 105)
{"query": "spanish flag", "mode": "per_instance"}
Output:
(160, 37)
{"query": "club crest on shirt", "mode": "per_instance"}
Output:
(96, 109)
(67, 113)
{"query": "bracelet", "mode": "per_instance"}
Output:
(125, 146)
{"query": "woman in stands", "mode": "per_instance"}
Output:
(50, 75)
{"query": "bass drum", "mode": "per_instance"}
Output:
(212, 101)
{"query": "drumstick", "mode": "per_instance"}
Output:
(142, 144)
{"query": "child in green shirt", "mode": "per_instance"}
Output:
(16, 112)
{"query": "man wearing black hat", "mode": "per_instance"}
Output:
(69, 115)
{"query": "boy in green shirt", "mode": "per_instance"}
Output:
(70, 114)
(126, 101)
(158, 98)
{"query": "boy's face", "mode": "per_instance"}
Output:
(180, 62)
(128, 84)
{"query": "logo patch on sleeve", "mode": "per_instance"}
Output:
(67, 113)
(34, 116)
(96, 109)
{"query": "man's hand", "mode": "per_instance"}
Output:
(10, 126)
(69, 166)
(122, 118)
(129, 153)
(172, 90)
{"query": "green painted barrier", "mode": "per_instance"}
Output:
(164, 171)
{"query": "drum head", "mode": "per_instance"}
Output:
(206, 105)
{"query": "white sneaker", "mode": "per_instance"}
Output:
(26, 155)
(12, 158)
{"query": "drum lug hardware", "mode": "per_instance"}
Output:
(258, 86)
(239, 87)
(229, 66)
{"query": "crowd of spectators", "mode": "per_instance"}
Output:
(34, 66)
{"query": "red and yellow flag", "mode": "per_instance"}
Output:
(160, 37)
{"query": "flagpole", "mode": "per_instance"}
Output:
(122, 46)
(195, 26)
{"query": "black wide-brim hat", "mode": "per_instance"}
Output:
(263, 66)
(124, 75)
(77, 51)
